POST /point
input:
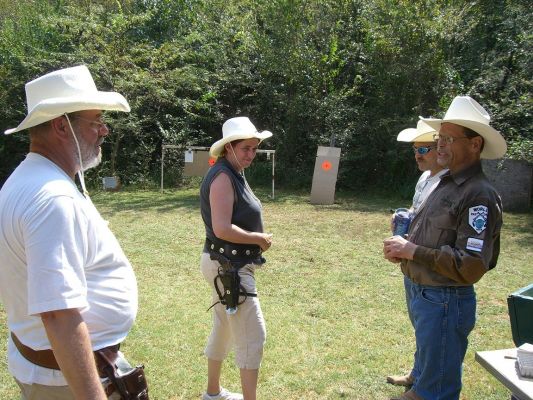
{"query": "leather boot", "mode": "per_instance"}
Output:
(401, 380)
(409, 395)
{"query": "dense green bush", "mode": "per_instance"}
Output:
(351, 73)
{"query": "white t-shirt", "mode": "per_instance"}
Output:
(425, 185)
(58, 253)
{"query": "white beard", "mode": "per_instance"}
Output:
(90, 157)
(91, 162)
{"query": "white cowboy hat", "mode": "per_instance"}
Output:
(236, 129)
(422, 133)
(65, 91)
(465, 111)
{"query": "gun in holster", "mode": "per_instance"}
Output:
(228, 275)
(130, 384)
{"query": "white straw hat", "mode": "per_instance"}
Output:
(422, 133)
(237, 128)
(465, 111)
(65, 91)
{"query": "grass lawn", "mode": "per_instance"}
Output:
(335, 310)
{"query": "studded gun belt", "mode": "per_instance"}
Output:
(233, 250)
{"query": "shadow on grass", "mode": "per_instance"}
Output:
(521, 223)
(171, 199)
(364, 201)
(141, 200)
(370, 201)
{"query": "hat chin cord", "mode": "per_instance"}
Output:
(242, 172)
(80, 171)
(236, 160)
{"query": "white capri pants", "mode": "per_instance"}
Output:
(245, 329)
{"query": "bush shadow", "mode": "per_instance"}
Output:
(141, 200)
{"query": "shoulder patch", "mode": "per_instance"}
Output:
(474, 244)
(477, 218)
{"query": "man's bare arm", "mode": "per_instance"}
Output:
(71, 344)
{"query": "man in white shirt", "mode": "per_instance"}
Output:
(426, 158)
(425, 150)
(65, 283)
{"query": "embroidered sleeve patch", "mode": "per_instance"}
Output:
(474, 244)
(477, 218)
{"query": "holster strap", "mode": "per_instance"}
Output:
(46, 358)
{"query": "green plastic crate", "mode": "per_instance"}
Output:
(520, 305)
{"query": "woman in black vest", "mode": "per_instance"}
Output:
(235, 240)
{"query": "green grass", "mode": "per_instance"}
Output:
(335, 312)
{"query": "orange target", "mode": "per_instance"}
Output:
(326, 165)
(212, 161)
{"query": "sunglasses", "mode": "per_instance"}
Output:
(423, 150)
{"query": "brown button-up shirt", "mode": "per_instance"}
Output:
(457, 231)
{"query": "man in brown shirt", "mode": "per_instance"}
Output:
(453, 240)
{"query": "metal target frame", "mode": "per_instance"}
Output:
(269, 153)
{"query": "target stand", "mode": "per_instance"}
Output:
(325, 175)
(198, 161)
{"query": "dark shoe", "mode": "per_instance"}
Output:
(401, 380)
(409, 395)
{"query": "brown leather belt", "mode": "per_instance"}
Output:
(46, 358)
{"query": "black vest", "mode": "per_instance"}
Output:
(246, 208)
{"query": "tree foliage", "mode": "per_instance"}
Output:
(352, 73)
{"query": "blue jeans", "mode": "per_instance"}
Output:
(443, 318)
(408, 295)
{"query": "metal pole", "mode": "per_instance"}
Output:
(273, 172)
(162, 164)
